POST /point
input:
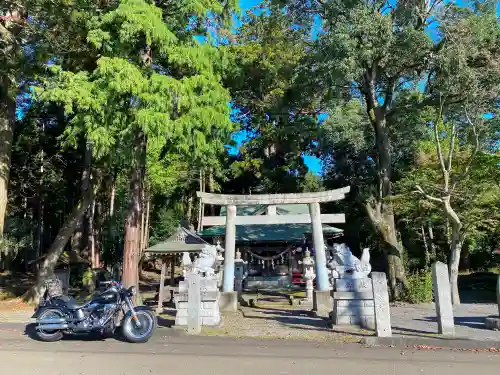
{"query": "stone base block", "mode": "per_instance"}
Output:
(322, 303)
(212, 321)
(367, 322)
(354, 312)
(492, 322)
(228, 301)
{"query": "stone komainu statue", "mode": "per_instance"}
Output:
(346, 266)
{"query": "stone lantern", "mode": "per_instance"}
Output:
(309, 274)
(239, 271)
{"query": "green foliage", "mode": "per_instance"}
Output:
(164, 222)
(419, 289)
(267, 94)
(88, 280)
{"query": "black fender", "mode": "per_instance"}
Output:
(40, 307)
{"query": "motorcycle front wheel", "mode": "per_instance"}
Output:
(135, 333)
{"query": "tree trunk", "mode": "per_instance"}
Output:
(211, 189)
(383, 222)
(7, 122)
(98, 224)
(455, 250)
(427, 256)
(46, 270)
(189, 209)
(112, 198)
(431, 243)
(200, 203)
(91, 234)
(77, 238)
(380, 210)
(131, 249)
(146, 229)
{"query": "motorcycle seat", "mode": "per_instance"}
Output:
(70, 302)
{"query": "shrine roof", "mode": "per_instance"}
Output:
(182, 240)
(269, 232)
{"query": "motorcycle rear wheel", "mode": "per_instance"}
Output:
(142, 334)
(49, 336)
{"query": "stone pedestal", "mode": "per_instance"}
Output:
(353, 303)
(209, 303)
(322, 303)
(228, 301)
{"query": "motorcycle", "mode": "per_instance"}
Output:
(57, 316)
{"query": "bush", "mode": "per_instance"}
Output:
(419, 287)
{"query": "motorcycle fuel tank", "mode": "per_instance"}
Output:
(108, 296)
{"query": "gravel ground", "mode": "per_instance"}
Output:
(279, 322)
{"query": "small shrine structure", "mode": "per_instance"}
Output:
(273, 254)
(182, 241)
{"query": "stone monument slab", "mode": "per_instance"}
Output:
(381, 304)
(442, 296)
(194, 304)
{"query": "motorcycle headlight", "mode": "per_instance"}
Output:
(132, 290)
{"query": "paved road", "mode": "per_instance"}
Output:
(173, 354)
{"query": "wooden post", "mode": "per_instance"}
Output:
(161, 293)
(172, 270)
(194, 303)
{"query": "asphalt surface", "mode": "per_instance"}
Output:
(171, 353)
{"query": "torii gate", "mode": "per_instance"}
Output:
(315, 218)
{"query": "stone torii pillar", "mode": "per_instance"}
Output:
(230, 247)
(322, 283)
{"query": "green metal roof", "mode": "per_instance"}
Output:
(281, 209)
(182, 240)
(271, 232)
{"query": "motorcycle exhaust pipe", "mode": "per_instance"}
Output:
(52, 321)
(52, 327)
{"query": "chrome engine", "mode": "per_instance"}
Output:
(95, 315)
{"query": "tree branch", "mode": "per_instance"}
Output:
(438, 143)
(452, 146)
(427, 196)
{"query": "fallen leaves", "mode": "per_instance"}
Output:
(426, 347)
